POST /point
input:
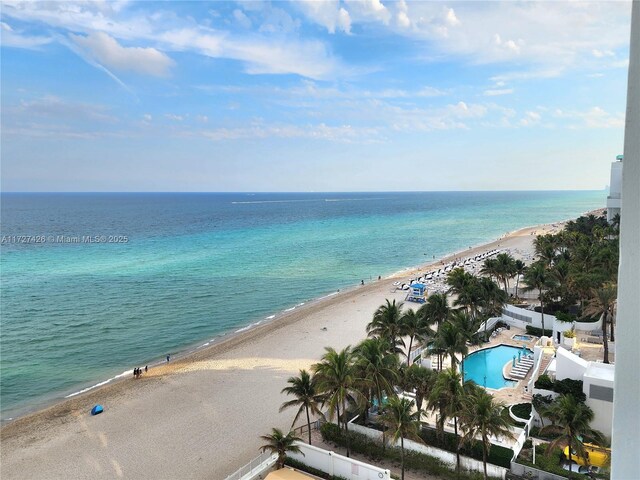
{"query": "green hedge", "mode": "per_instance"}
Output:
(373, 451)
(522, 410)
(538, 331)
(567, 386)
(544, 382)
(498, 455)
(298, 465)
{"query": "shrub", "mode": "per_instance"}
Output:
(418, 461)
(572, 387)
(544, 382)
(522, 410)
(298, 465)
(538, 331)
(565, 317)
(498, 455)
(569, 334)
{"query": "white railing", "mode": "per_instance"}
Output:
(255, 467)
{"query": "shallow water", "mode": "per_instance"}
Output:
(195, 266)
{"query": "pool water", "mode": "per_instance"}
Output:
(522, 338)
(485, 366)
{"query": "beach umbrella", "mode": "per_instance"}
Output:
(97, 409)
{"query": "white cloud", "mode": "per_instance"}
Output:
(13, 38)
(599, 53)
(340, 133)
(594, 117)
(368, 10)
(530, 118)
(108, 52)
(327, 13)
(451, 18)
(493, 92)
(242, 19)
(174, 117)
(548, 35)
(50, 106)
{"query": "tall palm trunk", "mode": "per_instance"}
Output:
(309, 424)
(613, 338)
(485, 440)
(384, 439)
(517, 282)
(455, 429)
(542, 311)
(605, 340)
(409, 351)
(346, 432)
(338, 418)
(402, 456)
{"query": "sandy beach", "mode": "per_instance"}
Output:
(199, 417)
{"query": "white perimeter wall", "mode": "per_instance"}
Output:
(338, 465)
(569, 365)
(447, 457)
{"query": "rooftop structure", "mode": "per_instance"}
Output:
(614, 199)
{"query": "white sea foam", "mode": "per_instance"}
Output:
(289, 309)
(270, 317)
(243, 329)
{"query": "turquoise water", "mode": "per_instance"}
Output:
(522, 338)
(197, 266)
(485, 366)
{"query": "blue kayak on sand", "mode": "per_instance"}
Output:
(97, 409)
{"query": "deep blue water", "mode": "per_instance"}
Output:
(196, 266)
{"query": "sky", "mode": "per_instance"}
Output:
(337, 95)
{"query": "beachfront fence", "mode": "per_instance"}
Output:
(449, 458)
(302, 430)
(256, 467)
(338, 465)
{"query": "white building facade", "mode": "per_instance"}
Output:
(614, 199)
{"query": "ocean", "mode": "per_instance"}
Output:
(94, 284)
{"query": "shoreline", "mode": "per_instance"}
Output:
(200, 415)
(193, 349)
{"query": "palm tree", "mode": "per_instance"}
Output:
(537, 277)
(307, 397)
(490, 268)
(403, 422)
(519, 268)
(505, 267)
(451, 341)
(436, 310)
(280, 443)
(602, 304)
(492, 300)
(572, 418)
(387, 323)
(421, 381)
(377, 368)
(447, 396)
(336, 379)
(481, 417)
(415, 327)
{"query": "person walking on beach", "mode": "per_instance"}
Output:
(146, 368)
(168, 358)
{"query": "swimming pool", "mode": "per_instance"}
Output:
(485, 366)
(522, 338)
